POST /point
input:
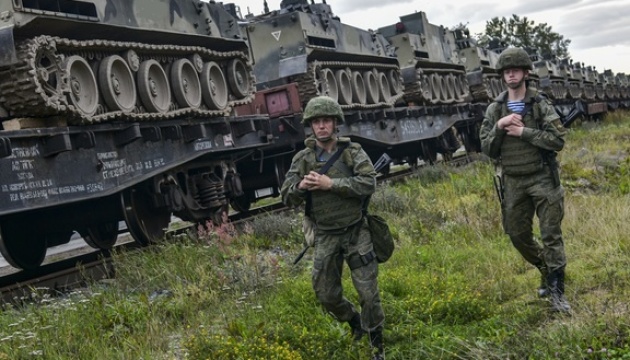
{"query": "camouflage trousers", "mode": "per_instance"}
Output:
(535, 194)
(351, 246)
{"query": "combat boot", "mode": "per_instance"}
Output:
(356, 328)
(376, 342)
(543, 289)
(555, 281)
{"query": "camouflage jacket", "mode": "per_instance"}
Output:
(348, 191)
(544, 131)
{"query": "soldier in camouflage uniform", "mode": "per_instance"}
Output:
(522, 132)
(336, 200)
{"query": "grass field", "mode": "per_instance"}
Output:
(454, 289)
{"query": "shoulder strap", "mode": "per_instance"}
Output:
(333, 158)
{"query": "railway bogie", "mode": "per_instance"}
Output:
(140, 173)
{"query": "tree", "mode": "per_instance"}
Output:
(522, 32)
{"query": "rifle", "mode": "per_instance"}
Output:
(301, 255)
(499, 186)
(550, 158)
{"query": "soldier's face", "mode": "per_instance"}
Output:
(323, 128)
(514, 78)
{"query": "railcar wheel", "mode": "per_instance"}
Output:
(213, 86)
(371, 87)
(470, 137)
(83, 92)
(146, 223)
(239, 78)
(21, 249)
(185, 82)
(429, 151)
(153, 87)
(358, 88)
(116, 84)
(345, 87)
(241, 203)
(101, 236)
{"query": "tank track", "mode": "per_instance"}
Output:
(27, 90)
(437, 86)
(310, 84)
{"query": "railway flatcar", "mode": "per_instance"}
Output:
(117, 111)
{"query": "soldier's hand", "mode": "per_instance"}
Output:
(510, 120)
(315, 181)
(514, 130)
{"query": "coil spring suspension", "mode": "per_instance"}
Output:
(210, 191)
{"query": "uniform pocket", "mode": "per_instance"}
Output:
(555, 195)
(555, 209)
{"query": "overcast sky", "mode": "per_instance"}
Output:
(599, 30)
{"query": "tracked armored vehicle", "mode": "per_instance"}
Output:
(573, 79)
(98, 61)
(307, 44)
(119, 111)
(434, 74)
(431, 69)
(304, 43)
(484, 81)
(551, 79)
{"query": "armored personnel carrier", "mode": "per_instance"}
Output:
(484, 81)
(611, 87)
(304, 46)
(307, 44)
(434, 74)
(431, 68)
(623, 81)
(573, 79)
(98, 61)
(118, 110)
(551, 79)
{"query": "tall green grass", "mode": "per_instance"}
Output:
(455, 287)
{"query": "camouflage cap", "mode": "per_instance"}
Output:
(322, 106)
(514, 58)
